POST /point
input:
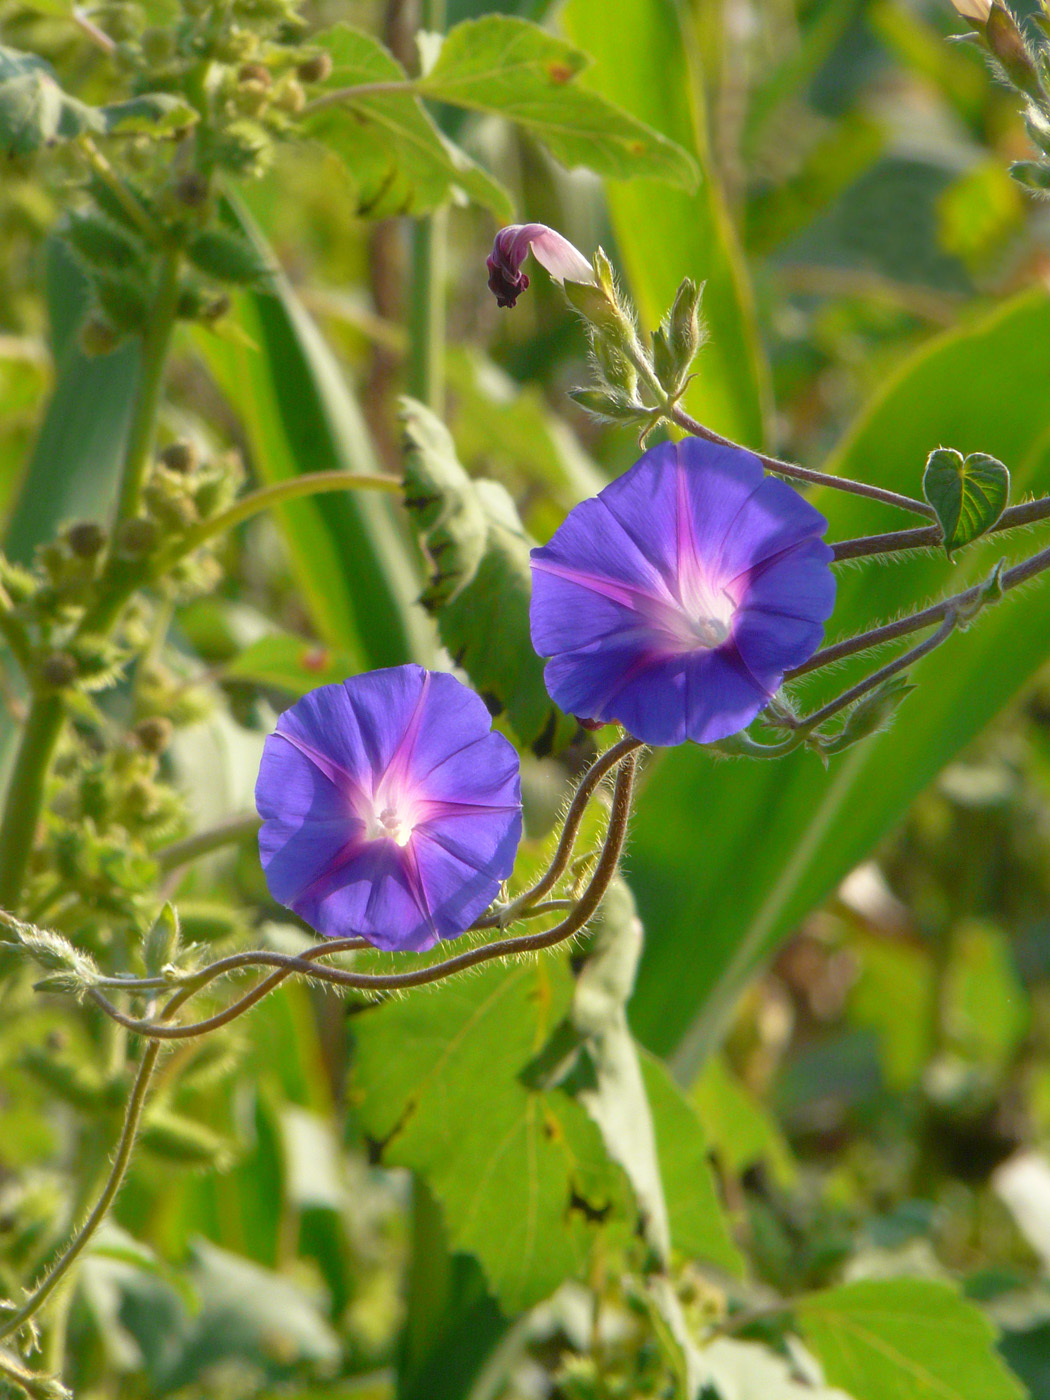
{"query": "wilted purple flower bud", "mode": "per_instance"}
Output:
(390, 809)
(674, 600)
(564, 262)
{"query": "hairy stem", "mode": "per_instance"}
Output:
(928, 617)
(884, 673)
(927, 536)
(125, 1147)
(588, 785)
(581, 912)
(789, 469)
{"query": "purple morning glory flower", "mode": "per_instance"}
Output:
(563, 261)
(390, 809)
(674, 600)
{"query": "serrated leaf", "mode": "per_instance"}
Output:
(969, 494)
(481, 581)
(881, 1339)
(513, 69)
(523, 1186)
(397, 159)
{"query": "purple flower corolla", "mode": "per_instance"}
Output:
(674, 600)
(563, 261)
(390, 808)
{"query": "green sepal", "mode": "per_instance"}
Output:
(1033, 174)
(969, 494)
(870, 715)
(160, 946)
(598, 306)
(610, 404)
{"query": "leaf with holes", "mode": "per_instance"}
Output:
(513, 69)
(881, 1339)
(481, 582)
(397, 159)
(525, 1185)
(968, 493)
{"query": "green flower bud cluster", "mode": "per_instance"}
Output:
(632, 383)
(1019, 53)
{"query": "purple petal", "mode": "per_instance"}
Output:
(774, 518)
(585, 682)
(308, 821)
(723, 696)
(372, 896)
(483, 774)
(563, 261)
(362, 777)
(770, 642)
(462, 862)
(792, 584)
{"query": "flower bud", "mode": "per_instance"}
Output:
(290, 97)
(181, 457)
(154, 733)
(58, 670)
(1006, 43)
(564, 262)
(86, 539)
(316, 69)
(255, 73)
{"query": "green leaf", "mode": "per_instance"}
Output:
(514, 69)
(75, 465)
(969, 494)
(34, 111)
(698, 1223)
(665, 234)
(397, 159)
(738, 1126)
(796, 830)
(350, 560)
(290, 663)
(524, 1185)
(481, 583)
(881, 1339)
(149, 114)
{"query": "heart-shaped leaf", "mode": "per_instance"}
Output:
(968, 494)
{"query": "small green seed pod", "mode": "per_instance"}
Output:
(181, 457)
(315, 69)
(86, 539)
(58, 670)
